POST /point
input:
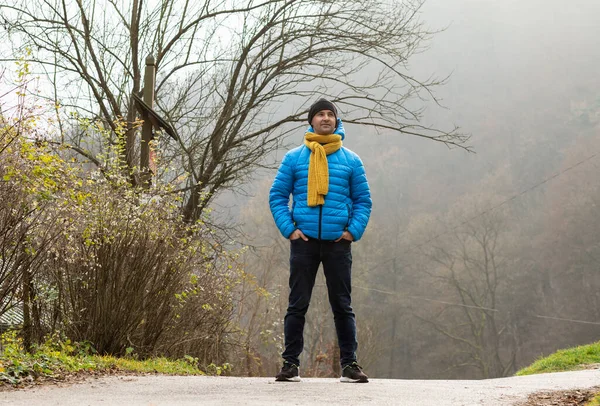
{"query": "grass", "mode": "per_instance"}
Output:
(595, 401)
(57, 360)
(160, 365)
(565, 360)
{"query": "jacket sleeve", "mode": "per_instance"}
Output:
(279, 196)
(361, 200)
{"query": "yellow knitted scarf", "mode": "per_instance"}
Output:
(318, 171)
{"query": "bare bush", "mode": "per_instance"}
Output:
(93, 259)
(127, 271)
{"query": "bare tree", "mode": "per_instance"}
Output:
(260, 309)
(472, 271)
(232, 76)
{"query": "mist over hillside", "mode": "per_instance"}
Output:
(522, 81)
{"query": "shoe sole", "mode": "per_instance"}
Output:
(294, 379)
(345, 379)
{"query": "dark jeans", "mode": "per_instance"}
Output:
(337, 264)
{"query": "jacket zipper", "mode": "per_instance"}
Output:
(320, 219)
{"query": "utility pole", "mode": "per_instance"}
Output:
(146, 161)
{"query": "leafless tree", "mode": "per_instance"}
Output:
(473, 272)
(233, 76)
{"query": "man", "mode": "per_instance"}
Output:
(331, 208)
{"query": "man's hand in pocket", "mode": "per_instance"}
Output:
(298, 234)
(345, 236)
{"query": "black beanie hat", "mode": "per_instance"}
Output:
(319, 105)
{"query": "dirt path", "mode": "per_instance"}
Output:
(169, 390)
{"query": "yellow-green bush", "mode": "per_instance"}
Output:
(101, 261)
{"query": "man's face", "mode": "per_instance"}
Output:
(324, 122)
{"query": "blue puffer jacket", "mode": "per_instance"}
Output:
(347, 205)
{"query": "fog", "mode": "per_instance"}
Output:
(522, 81)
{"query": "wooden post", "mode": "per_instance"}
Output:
(149, 84)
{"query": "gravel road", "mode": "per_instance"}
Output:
(194, 390)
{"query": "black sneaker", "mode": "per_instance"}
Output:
(353, 373)
(288, 373)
